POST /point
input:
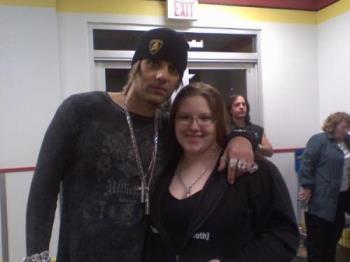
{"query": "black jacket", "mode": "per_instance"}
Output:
(250, 221)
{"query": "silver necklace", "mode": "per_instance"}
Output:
(145, 177)
(189, 188)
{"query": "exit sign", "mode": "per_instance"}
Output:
(182, 9)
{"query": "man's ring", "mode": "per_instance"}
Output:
(233, 162)
(242, 165)
(254, 168)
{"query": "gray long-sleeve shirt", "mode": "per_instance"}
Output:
(88, 149)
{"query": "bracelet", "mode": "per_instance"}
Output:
(42, 257)
(246, 134)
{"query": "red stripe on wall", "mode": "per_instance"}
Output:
(309, 5)
(17, 169)
(32, 168)
(285, 150)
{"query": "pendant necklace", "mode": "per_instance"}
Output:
(189, 188)
(145, 177)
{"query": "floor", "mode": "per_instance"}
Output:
(343, 255)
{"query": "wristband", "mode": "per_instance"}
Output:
(246, 134)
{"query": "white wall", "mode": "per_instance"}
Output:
(289, 83)
(334, 64)
(74, 55)
(29, 81)
(29, 95)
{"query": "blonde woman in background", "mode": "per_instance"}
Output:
(324, 180)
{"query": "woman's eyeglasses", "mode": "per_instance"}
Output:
(201, 119)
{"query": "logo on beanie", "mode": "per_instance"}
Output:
(155, 45)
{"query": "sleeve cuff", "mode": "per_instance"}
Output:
(42, 257)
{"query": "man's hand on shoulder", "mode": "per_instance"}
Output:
(238, 157)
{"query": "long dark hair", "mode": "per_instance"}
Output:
(233, 99)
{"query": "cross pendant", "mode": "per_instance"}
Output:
(147, 201)
(142, 189)
(144, 195)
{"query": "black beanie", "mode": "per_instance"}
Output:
(165, 44)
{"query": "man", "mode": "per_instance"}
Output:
(107, 150)
(239, 108)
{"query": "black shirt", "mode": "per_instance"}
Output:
(176, 215)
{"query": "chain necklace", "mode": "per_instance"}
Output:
(145, 177)
(189, 188)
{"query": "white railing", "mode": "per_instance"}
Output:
(4, 209)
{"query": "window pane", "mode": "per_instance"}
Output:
(116, 79)
(115, 39)
(126, 40)
(223, 42)
(228, 82)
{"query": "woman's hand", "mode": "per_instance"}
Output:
(239, 157)
(305, 194)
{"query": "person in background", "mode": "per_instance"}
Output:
(103, 153)
(196, 215)
(238, 107)
(324, 181)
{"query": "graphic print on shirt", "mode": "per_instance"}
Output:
(116, 197)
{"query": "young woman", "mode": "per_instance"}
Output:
(197, 215)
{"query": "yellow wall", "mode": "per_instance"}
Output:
(158, 8)
(33, 3)
(333, 10)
